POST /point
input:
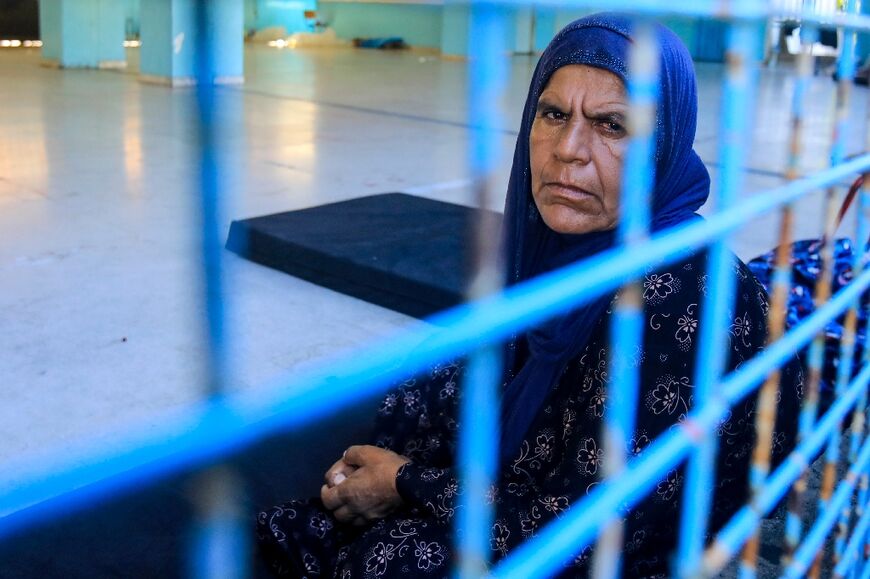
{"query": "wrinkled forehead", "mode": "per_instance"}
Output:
(581, 82)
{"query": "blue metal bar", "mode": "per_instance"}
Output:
(807, 553)
(732, 10)
(638, 176)
(214, 296)
(479, 414)
(863, 490)
(806, 63)
(71, 478)
(846, 71)
(742, 524)
(860, 418)
(218, 541)
(856, 541)
(545, 552)
(714, 329)
(478, 460)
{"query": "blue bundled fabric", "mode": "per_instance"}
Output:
(382, 43)
(806, 266)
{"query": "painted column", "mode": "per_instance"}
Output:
(82, 33)
(169, 33)
(862, 49)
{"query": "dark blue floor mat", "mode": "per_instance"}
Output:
(399, 251)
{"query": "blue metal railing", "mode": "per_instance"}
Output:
(223, 424)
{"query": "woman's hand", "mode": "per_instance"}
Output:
(338, 472)
(368, 491)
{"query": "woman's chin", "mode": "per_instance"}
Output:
(570, 224)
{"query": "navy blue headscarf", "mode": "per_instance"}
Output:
(681, 186)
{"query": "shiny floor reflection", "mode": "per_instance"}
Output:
(99, 307)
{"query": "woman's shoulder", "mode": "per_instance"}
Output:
(685, 282)
(676, 285)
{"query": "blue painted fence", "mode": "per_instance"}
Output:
(222, 424)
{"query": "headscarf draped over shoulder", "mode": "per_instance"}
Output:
(681, 187)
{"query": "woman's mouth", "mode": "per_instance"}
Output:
(567, 191)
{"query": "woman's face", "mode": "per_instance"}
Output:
(576, 146)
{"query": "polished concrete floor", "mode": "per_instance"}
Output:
(99, 305)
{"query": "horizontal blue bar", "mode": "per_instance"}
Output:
(738, 529)
(856, 542)
(71, 477)
(577, 526)
(735, 10)
(826, 519)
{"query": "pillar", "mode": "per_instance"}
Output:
(82, 33)
(169, 37)
(862, 49)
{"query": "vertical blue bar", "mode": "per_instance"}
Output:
(477, 460)
(862, 234)
(714, 327)
(218, 544)
(808, 554)
(638, 177)
(479, 411)
(794, 520)
(846, 72)
(210, 209)
(487, 74)
(220, 540)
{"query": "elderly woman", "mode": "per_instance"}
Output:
(386, 509)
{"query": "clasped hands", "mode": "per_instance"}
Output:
(361, 486)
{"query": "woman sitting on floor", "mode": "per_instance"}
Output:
(387, 509)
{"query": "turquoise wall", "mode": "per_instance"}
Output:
(418, 24)
(250, 16)
(705, 39)
(287, 13)
(455, 23)
(131, 18)
(545, 27)
(454, 29)
(687, 30)
(443, 27)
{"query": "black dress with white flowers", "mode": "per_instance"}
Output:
(560, 459)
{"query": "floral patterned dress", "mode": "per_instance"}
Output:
(560, 459)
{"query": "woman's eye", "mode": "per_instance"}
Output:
(612, 128)
(553, 115)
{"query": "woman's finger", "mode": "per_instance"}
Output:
(331, 471)
(355, 455)
(330, 497)
(338, 472)
(343, 514)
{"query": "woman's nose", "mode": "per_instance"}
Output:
(573, 145)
